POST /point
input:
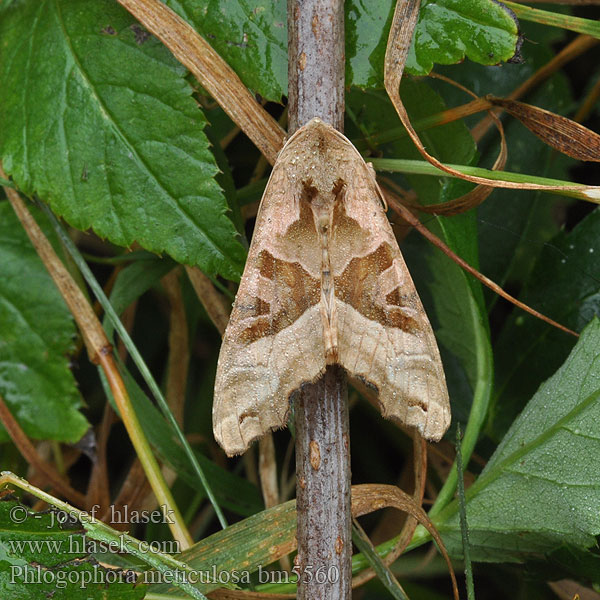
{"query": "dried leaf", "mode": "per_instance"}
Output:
(557, 131)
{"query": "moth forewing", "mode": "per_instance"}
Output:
(324, 282)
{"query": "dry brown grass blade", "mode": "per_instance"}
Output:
(557, 131)
(574, 49)
(214, 303)
(213, 73)
(401, 33)
(368, 498)
(179, 355)
(29, 453)
(267, 469)
(410, 218)
(406, 534)
(98, 491)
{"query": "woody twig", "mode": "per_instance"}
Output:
(316, 89)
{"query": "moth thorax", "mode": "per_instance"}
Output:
(323, 222)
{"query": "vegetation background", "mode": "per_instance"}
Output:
(147, 172)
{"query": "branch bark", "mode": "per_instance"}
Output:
(316, 89)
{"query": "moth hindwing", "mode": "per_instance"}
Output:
(324, 282)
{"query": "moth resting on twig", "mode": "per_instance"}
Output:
(324, 283)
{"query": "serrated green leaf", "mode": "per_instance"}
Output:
(541, 488)
(36, 335)
(104, 128)
(450, 30)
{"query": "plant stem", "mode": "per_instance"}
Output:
(316, 89)
(421, 167)
(323, 489)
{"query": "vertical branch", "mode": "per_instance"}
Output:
(323, 489)
(316, 89)
(316, 62)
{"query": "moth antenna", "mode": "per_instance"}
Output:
(382, 197)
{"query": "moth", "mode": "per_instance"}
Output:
(324, 283)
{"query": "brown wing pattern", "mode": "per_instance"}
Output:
(324, 276)
(274, 340)
(384, 335)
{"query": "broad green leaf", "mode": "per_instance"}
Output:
(103, 128)
(541, 488)
(463, 331)
(36, 335)
(251, 35)
(243, 547)
(447, 32)
(40, 557)
(460, 310)
(564, 286)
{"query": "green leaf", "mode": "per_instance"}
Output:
(251, 35)
(133, 281)
(464, 331)
(447, 32)
(540, 489)
(36, 335)
(243, 547)
(458, 299)
(564, 286)
(450, 30)
(42, 558)
(105, 130)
